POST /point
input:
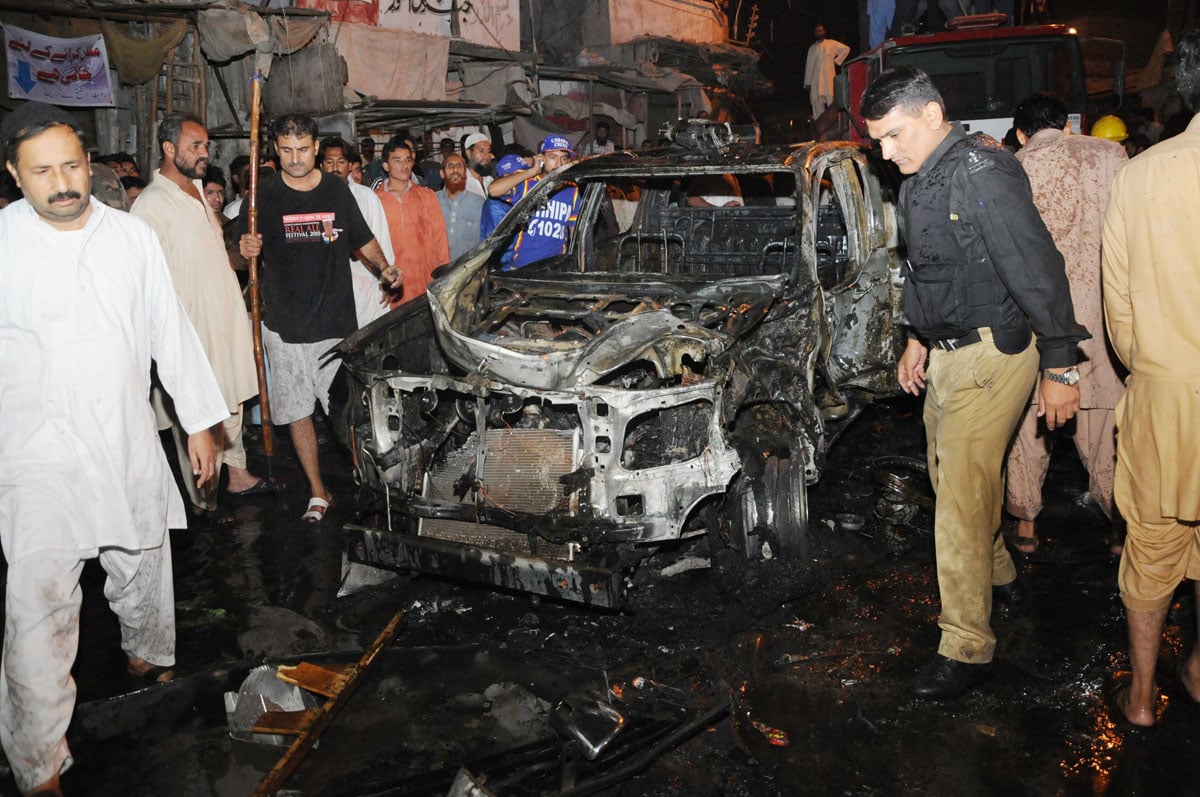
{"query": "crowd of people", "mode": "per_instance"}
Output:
(1019, 269)
(133, 273)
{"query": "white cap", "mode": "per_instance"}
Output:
(473, 139)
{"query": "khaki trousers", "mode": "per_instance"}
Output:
(974, 398)
(1095, 439)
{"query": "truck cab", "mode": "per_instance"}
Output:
(982, 70)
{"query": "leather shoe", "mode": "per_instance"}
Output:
(1011, 594)
(945, 678)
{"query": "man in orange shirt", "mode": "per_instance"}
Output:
(415, 222)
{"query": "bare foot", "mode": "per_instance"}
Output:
(51, 788)
(1142, 716)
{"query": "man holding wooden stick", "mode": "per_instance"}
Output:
(309, 224)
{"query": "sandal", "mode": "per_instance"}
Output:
(1021, 544)
(315, 512)
(263, 486)
(151, 676)
(1025, 545)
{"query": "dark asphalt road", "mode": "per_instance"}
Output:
(828, 669)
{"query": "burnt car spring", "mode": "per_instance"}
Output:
(680, 369)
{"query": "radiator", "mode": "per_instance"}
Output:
(521, 470)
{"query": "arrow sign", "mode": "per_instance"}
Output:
(60, 83)
(25, 76)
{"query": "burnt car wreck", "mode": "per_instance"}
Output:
(681, 369)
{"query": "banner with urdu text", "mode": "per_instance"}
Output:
(57, 71)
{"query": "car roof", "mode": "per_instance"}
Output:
(736, 158)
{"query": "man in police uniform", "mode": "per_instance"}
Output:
(980, 263)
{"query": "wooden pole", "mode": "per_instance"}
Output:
(323, 716)
(268, 431)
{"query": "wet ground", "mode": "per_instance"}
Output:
(812, 658)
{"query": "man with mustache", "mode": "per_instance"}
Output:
(309, 226)
(175, 208)
(460, 209)
(86, 304)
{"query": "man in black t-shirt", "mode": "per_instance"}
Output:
(309, 224)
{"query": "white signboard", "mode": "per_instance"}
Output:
(492, 23)
(57, 71)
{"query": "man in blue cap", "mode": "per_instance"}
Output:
(547, 232)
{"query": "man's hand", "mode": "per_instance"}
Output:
(1057, 403)
(250, 245)
(202, 451)
(392, 277)
(910, 371)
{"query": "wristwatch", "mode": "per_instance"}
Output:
(1069, 377)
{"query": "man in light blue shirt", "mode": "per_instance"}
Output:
(460, 208)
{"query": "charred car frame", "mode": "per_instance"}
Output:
(681, 369)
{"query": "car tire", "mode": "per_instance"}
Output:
(767, 513)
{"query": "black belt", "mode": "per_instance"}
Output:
(950, 344)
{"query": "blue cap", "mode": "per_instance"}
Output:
(510, 164)
(556, 142)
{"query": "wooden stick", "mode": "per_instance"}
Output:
(264, 400)
(323, 716)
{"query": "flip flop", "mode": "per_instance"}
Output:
(214, 517)
(263, 486)
(1025, 545)
(315, 512)
(152, 676)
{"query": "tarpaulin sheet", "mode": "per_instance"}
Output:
(140, 60)
(392, 64)
(495, 83)
(233, 30)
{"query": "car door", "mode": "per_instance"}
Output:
(852, 231)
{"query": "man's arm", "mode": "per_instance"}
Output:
(841, 53)
(202, 452)
(910, 370)
(237, 250)
(502, 185)
(371, 256)
(1114, 259)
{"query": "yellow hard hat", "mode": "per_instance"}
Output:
(1110, 127)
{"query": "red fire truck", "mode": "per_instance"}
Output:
(983, 70)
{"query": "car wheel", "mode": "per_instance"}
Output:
(767, 512)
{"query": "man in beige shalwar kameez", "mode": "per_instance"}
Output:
(174, 206)
(1070, 176)
(1151, 267)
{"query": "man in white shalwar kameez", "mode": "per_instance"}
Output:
(175, 208)
(824, 57)
(370, 301)
(86, 303)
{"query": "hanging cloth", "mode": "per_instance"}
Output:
(140, 60)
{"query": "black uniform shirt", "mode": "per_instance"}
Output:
(999, 235)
